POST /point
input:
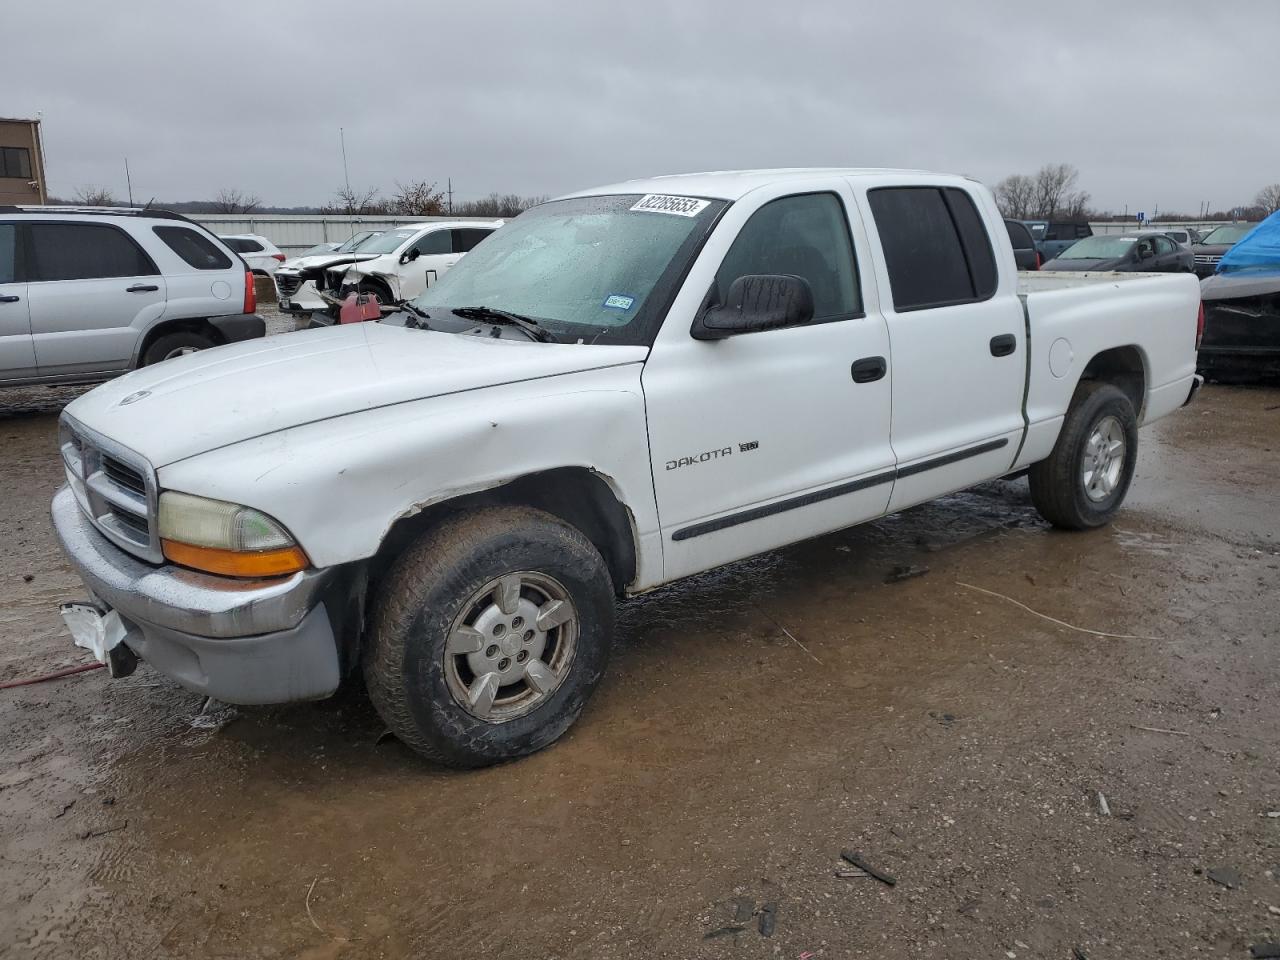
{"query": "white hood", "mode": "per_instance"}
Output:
(203, 401)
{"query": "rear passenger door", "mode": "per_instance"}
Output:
(92, 291)
(17, 353)
(958, 338)
(1166, 255)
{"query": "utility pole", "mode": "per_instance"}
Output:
(128, 181)
(450, 182)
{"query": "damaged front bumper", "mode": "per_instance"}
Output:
(240, 641)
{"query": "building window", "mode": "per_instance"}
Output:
(15, 162)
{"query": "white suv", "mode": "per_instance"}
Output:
(86, 294)
(403, 262)
(262, 256)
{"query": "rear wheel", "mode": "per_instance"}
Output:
(489, 635)
(176, 344)
(1082, 483)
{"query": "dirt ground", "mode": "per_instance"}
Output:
(754, 723)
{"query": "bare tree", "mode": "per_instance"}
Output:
(1268, 199)
(1014, 196)
(1053, 186)
(230, 200)
(356, 201)
(417, 198)
(91, 196)
(497, 205)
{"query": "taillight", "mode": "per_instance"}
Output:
(278, 256)
(1039, 260)
(1200, 325)
(250, 294)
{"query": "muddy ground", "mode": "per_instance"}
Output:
(754, 723)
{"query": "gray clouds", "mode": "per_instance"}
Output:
(535, 99)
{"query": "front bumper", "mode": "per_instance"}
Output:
(241, 641)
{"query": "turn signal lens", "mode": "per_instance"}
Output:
(225, 538)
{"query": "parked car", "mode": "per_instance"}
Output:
(89, 294)
(1148, 252)
(401, 263)
(1242, 308)
(1025, 253)
(1216, 243)
(1182, 235)
(296, 294)
(1053, 236)
(619, 389)
(262, 256)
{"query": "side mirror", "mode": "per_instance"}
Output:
(409, 256)
(756, 303)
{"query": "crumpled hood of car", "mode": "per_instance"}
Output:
(203, 401)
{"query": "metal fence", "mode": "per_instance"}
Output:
(293, 234)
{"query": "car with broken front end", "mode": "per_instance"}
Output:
(618, 389)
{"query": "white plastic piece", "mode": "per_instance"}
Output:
(93, 630)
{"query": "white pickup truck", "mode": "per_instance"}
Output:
(618, 389)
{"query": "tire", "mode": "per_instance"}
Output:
(374, 289)
(1072, 488)
(176, 344)
(423, 686)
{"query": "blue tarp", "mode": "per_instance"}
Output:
(1258, 250)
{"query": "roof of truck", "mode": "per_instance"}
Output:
(735, 184)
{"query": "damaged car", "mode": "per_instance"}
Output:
(1241, 336)
(297, 294)
(400, 264)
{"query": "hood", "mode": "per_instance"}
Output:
(1115, 263)
(1232, 285)
(326, 260)
(193, 404)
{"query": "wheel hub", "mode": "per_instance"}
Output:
(1104, 459)
(511, 646)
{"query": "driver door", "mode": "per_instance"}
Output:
(434, 256)
(765, 438)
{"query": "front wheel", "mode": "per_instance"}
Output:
(489, 635)
(1082, 483)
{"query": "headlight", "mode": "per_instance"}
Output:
(225, 538)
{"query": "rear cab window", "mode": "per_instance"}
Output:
(935, 244)
(1019, 236)
(195, 249)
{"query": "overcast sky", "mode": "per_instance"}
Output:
(542, 98)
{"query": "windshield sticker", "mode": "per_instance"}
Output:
(618, 302)
(680, 206)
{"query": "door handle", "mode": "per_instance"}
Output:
(9, 299)
(868, 369)
(1003, 345)
(142, 288)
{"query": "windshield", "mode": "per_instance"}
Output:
(358, 242)
(589, 268)
(1229, 234)
(1098, 248)
(388, 242)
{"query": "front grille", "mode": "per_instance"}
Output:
(115, 488)
(287, 285)
(1209, 259)
(124, 475)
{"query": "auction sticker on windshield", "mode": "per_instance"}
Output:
(680, 206)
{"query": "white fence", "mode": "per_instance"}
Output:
(293, 234)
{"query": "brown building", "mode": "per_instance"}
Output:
(21, 162)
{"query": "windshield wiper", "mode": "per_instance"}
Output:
(530, 326)
(413, 322)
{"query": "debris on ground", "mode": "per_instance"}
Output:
(1228, 877)
(1260, 950)
(768, 918)
(743, 909)
(56, 675)
(723, 932)
(1103, 808)
(214, 715)
(27, 577)
(859, 861)
(65, 808)
(905, 572)
(852, 874)
(1078, 954)
(90, 834)
(945, 719)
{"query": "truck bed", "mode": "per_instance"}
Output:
(1038, 281)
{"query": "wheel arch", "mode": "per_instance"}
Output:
(583, 498)
(1125, 367)
(166, 327)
